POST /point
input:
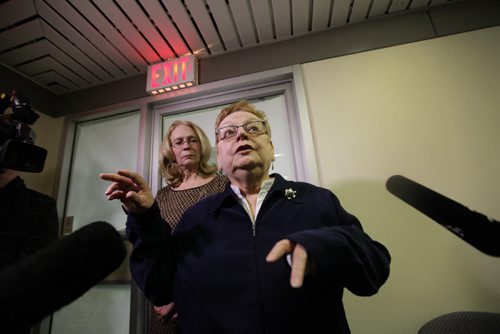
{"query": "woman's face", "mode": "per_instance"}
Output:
(244, 152)
(186, 146)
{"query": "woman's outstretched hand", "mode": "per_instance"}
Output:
(130, 188)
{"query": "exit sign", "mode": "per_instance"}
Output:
(172, 75)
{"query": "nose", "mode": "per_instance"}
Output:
(241, 133)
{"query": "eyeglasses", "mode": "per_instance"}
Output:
(253, 128)
(178, 143)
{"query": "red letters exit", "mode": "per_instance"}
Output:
(172, 75)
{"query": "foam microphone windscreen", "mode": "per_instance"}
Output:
(473, 227)
(58, 274)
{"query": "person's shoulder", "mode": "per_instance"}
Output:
(40, 197)
(38, 194)
(304, 190)
(283, 183)
(163, 192)
(220, 181)
(212, 200)
(209, 203)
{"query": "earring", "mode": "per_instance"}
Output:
(272, 166)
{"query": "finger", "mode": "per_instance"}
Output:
(137, 199)
(117, 194)
(140, 201)
(279, 249)
(134, 176)
(299, 263)
(168, 309)
(119, 182)
(114, 177)
(113, 187)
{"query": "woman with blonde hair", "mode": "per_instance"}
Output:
(184, 165)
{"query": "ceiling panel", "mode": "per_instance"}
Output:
(104, 27)
(321, 14)
(61, 43)
(341, 10)
(183, 23)
(224, 23)
(145, 26)
(398, 5)
(418, 3)
(379, 7)
(11, 13)
(59, 23)
(25, 53)
(69, 45)
(360, 10)
(84, 27)
(51, 77)
(202, 18)
(20, 35)
(128, 30)
(166, 27)
(263, 16)
(243, 21)
(300, 17)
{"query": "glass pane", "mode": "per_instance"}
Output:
(102, 145)
(104, 309)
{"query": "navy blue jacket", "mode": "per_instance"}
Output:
(214, 265)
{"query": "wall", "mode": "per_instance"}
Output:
(430, 111)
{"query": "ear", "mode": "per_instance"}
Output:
(272, 149)
(217, 156)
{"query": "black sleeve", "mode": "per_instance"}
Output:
(152, 261)
(343, 252)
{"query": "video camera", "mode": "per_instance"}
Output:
(17, 148)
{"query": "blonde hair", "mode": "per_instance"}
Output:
(241, 106)
(168, 167)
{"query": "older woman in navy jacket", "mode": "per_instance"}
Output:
(267, 255)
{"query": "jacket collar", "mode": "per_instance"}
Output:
(279, 187)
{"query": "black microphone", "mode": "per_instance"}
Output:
(471, 226)
(58, 274)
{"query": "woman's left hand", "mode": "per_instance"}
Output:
(165, 312)
(299, 259)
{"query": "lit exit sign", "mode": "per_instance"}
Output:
(172, 75)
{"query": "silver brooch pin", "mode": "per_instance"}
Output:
(290, 193)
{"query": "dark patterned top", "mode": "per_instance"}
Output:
(172, 205)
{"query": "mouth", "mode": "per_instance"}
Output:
(243, 148)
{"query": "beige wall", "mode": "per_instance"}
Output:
(429, 111)
(49, 136)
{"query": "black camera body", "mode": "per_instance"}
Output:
(17, 139)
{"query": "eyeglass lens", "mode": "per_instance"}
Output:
(253, 128)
